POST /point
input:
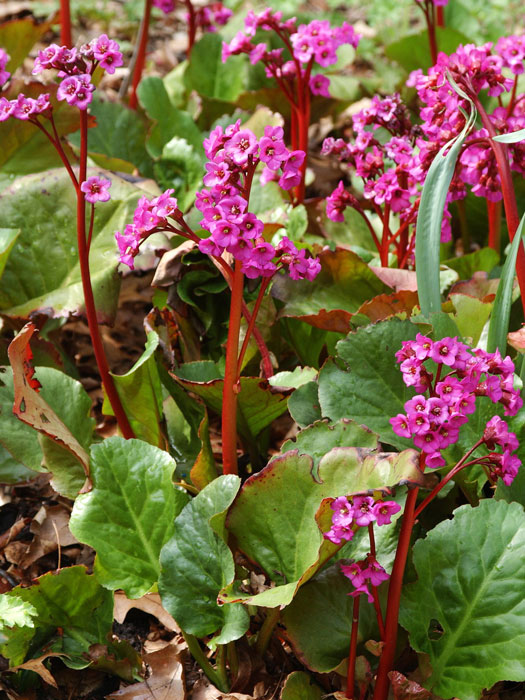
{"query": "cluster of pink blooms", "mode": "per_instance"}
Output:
(150, 217)
(391, 170)
(4, 74)
(234, 154)
(207, 18)
(434, 422)
(360, 512)
(316, 42)
(361, 573)
(348, 516)
(475, 69)
(75, 67)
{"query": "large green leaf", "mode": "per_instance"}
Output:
(117, 142)
(344, 283)
(300, 686)
(42, 273)
(303, 404)
(471, 577)
(128, 515)
(466, 265)
(319, 620)
(197, 563)
(180, 168)
(321, 437)
(413, 51)
(72, 612)
(281, 534)
(8, 238)
(18, 37)
(170, 121)
(258, 404)
(371, 390)
(140, 391)
(209, 76)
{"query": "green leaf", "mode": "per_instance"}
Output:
(300, 686)
(181, 167)
(42, 273)
(18, 37)
(72, 612)
(170, 121)
(117, 141)
(303, 404)
(413, 51)
(430, 216)
(297, 223)
(11, 470)
(258, 404)
(322, 436)
(293, 380)
(15, 612)
(484, 259)
(140, 391)
(209, 76)
(343, 284)
(128, 516)
(499, 320)
(471, 575)
(197, 563)
(371, 390)
(204, 470)
(281, 534)
(471, 315)
(319, 620)
(8, 238)
(514, 137)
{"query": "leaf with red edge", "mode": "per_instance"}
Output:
(344, 283)
(31, 408)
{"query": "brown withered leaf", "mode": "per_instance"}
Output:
(149, 603)
(517, 339)
(386, 305)
(37, 666)
(31, 408)
(480, 286)
(51, 529)
(166, 681)
(203, 690)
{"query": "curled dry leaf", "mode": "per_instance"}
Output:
(37, 666)
(203, 690)
(50, 527)
(31, 408)
(149, 603)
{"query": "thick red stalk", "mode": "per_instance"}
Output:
(192, 26)
(350, 677)
(251, 323)
(231, 376)
(385, 240)
(440, 16)
(494, 217)
(431, 29)
(141, 55)
(375, 595)
(65, 24)
(89, 300)
(386, 661)
(507, 188)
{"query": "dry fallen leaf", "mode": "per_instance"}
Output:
(51, 529)
(149, 603)
(203, 690)
(166, 681)
(37, 666)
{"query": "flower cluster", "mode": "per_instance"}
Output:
(233, 155)
(4, 75)
(150, 216)
(475, 69)
(316, 42)
(360, 512)
(75, 67)
(361, 573)
(207, 18)
(434, 421)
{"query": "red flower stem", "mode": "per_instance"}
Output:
(350, 678)
(431, 29)
(462, 464)
(377, 606)
(58, 147)
(65, 24)
(440, 16)
(231, 376)
(386, 661)
(507, 188)
(385, 240)
(512, 101)
(251, 324)
(141, 55)
(192, 25)
(370, 228)
(91, 222)
(494, 217)
(89, 300)
(294, 129)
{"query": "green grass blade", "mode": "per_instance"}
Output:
(430, 216)
(514, 137)
(499, 320)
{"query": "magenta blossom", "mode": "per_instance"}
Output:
(96, 189)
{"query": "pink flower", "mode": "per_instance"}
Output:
(319, 85)
(384, 510)
(363, 510)
(96, 189)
